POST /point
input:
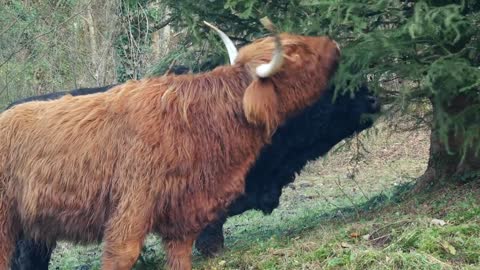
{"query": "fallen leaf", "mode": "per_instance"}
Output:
(354, 235)
(449, 248)
(438, 222)
(345, 245)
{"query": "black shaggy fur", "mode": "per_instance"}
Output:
(305, 137)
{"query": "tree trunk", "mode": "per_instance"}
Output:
(93, 41)
(447, 167)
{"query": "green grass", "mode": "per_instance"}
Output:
(343, 213)
(399, 239)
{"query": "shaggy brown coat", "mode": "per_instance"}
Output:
(161, 155)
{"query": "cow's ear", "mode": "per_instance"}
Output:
(260, 104)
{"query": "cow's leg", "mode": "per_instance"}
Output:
(124, 234)
(8, 234)
(121, 255)
(124, 238)
(31, 255)
(179, 253)
(210, 242)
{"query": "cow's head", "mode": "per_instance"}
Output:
(289, 73)
(350, 114)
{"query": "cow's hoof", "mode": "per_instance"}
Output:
(210, 250)
(210, 245)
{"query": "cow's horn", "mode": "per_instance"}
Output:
(231, 49)
(267, 70)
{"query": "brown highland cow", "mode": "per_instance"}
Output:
(162, 155)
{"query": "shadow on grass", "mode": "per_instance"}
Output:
(253, 228)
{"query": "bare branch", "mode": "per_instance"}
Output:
(39, 36)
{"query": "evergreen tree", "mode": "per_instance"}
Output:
(431, 47)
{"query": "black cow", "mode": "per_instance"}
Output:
(305, 137)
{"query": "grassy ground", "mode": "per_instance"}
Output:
(350, 210)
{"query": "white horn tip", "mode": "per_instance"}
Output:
(263, 71)
(210, 25)
(231, 49)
